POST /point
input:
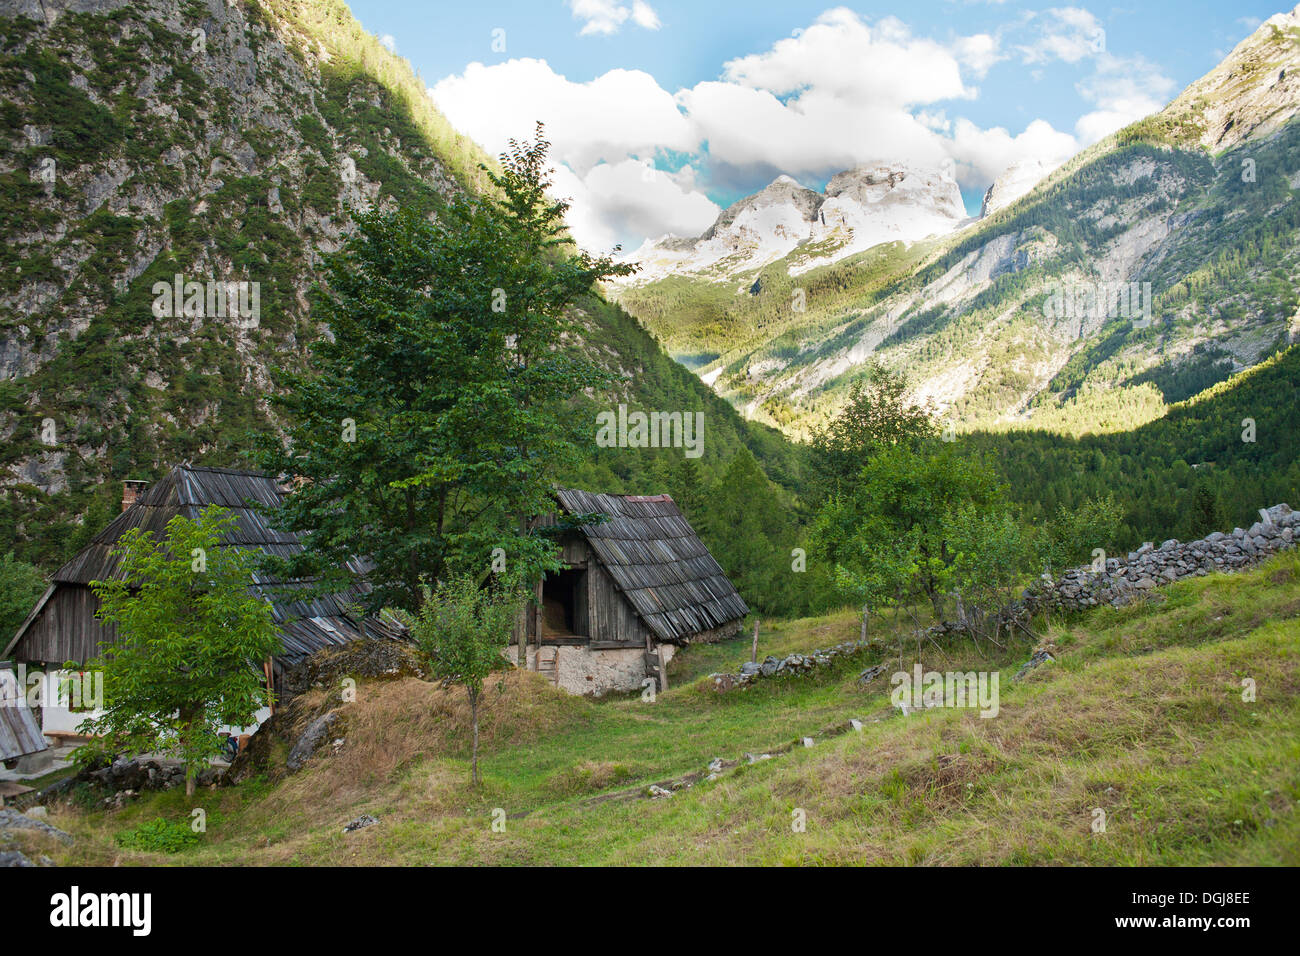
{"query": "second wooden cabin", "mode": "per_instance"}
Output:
(636, 585)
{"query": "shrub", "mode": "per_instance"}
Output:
(159, 836)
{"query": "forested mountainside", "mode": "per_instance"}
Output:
(994, 324)
(218, 142)
(1204, 466)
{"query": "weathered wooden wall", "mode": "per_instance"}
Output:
(613, 619)
(66, 629)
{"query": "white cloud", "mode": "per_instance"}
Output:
(979, 52)
(388, 42)
(1070, 34)
(1123, 89)
(620, 113)
(841, 57)
(982, 155)
(839, 93)
(843, 91)
(604, 135)
(643, 15)
(604, 17)
(629, 200)
(753, 136)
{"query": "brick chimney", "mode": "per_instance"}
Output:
(132, 491)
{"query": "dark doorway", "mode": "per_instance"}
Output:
(564, 604)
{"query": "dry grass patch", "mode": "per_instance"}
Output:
(393, 723)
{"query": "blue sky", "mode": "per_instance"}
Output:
(662, 111)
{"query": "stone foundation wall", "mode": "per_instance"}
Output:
(594, 673)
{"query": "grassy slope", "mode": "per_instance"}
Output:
(1142, 716)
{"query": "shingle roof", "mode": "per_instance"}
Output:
(306, 625)
(658, 561)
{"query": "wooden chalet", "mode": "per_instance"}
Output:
(635, 586)
(62, 627)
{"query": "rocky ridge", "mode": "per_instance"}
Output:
(1250, 94)
(150, 139)
(1019, 178)
(860, 208)
(1157, 202)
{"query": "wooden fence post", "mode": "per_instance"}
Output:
(753, 653)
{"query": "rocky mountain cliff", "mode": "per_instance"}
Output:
(1018, 179)
(171, 173)
(1252, 93)
(860, 208)
(1151, 266)
(180, 144)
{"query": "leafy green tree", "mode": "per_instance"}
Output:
(899, 514)
(192, 639)
(461, 629)
(875, 417)
(1074, 533)
(877, 569)
(992, 552)
(20, 585)
(427, 430)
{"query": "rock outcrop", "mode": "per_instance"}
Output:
(306, 722)
(1250, 94)
(1018, 179)
(11, 820)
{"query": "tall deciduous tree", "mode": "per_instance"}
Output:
(876, 416)
(192, 638)
(892, 529)
(992, 554)
(428, 427)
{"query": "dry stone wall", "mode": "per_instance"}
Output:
(1077, 589)
(1150, 566)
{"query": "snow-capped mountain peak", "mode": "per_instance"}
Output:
(860, 208)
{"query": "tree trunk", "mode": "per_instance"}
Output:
(473, 710)
(186, 731)
(527, 621)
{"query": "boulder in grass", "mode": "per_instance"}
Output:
(360, 823)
